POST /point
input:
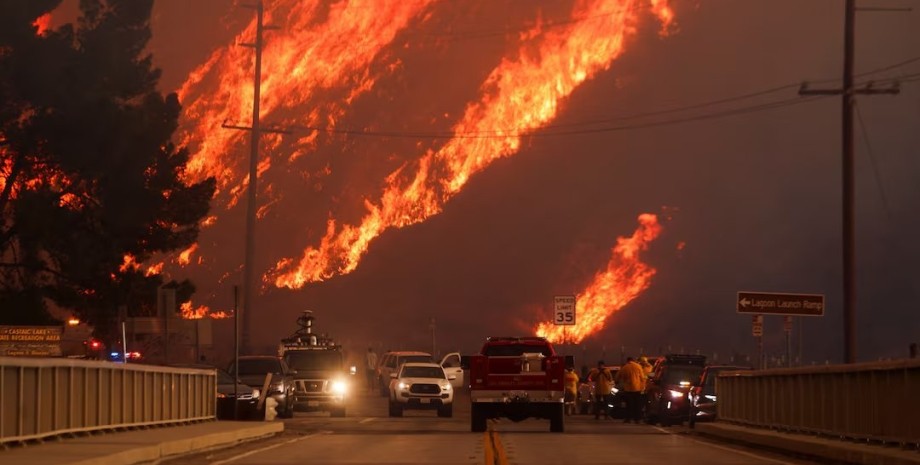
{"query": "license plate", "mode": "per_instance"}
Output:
(312, 403)
(426, 401)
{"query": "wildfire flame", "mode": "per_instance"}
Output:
(186, 256)
(625, 278)
(525, 91)
(317, 47)
(190, 312)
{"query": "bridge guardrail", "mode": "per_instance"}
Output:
(877, 401)
(47, 397)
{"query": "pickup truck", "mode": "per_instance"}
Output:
(517, 378)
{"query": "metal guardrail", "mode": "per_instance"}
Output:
(878, 401)
(48, 397)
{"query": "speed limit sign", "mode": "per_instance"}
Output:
(564, 310)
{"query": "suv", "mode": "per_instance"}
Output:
(253, 369)
(703, 393)
(421, 386)
(321, 380)
(669, 386)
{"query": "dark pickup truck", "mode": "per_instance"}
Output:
(517, 378)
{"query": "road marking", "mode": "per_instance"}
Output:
(737, 451)
(493, 449)
(367, 420)
(252, 452)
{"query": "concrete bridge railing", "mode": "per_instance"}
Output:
(48, 397)
(877, 401)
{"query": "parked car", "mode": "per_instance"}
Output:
(421, 386)
(229, 389)
(668, 387)
(253, 369)
(247, 398)
(702, 395)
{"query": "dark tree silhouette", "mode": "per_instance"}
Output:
(88, 172)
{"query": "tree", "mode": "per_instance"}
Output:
(89, 177)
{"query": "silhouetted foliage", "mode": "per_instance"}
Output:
(88, 173)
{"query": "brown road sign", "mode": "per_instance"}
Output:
(770, 303)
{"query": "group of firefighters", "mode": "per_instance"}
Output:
(630, 379)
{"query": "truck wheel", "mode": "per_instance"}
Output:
(557, 419)
(337, 412)
(395, 409)
(477, 419)
(446, 411)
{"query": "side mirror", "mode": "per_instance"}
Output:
(393, 376)
(451, 377)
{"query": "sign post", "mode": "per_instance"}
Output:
(564, 313)
(757, 332)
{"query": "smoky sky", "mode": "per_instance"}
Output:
(757, 195)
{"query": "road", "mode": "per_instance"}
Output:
(368, 436)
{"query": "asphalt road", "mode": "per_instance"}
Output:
(368, 436)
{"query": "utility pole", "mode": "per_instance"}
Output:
(249, 287)
(848, 93)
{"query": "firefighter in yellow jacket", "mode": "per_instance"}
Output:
(631, 380)
(603, 381)
(571, 390)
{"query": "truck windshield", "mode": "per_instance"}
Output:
(515, 350)
(314, 360)
(422, 372)
(676, 374)
(414, 359)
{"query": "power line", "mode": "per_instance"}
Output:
(548, 130)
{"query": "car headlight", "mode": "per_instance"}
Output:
(676, 394)
(614, 390)
(402, 385)
(339, 387)
(710, 397)
(221, 395)
(446, 387)
(255, 393)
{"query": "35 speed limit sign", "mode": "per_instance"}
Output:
(564, 310)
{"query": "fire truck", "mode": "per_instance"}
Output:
(321, 379)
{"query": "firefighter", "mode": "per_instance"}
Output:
(571, 390)
(603, 380)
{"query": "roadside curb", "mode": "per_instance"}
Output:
(141, 446)
(834, 450)
(176, 447)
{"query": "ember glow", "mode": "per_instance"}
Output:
(521, 95)
(42, 24)
(624, 279)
